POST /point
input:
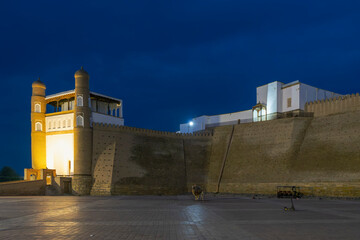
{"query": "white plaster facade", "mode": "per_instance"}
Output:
(61, 122)
(108, 119)
(200, 123)
(271, 99)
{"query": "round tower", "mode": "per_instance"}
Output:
(38, 134)
(82, 135)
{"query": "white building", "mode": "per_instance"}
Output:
(273, 99)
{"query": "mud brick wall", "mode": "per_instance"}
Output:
(320, 153)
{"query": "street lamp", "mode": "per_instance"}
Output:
(191, 123)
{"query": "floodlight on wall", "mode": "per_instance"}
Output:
(191, 123)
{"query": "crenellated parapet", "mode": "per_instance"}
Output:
(340, 104)
(118, 128)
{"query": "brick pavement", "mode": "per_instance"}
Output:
(176, 217)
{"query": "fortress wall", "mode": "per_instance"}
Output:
(197, 158)
(329, 157)
(321, 154)
(154, 165)
(147, 132)
(335, 105)
(103, 162)
(331, 150)
(260, 153)
(221, 140)
(139, 161)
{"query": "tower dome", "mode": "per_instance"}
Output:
(38, 83)
(81, 73)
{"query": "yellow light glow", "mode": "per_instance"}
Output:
(59, 151)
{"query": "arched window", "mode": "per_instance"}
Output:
(69, 123)
(80, 121)
(259, 112)
(59, 124)
(80, 101)
(64, 124)
(37, 107)
(49, 124)
(38, 126)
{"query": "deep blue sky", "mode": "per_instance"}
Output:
(170, 60)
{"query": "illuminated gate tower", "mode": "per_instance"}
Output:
(61, 128)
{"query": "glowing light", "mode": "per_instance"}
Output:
(191, 123)
(59, 151)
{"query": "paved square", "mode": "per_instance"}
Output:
(176, 217)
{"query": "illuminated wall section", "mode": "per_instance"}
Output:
(59, 122)
(60, 153)
(274, 98)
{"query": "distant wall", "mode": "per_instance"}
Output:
(334, 105)
(22, 188)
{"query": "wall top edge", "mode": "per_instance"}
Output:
(113, 127)
(338, 98)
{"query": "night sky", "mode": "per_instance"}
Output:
(170, 61)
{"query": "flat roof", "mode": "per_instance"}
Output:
(269, 83)
(297, 82)
(59, 94)
(290, 84)
(104, 96)
(73, 91)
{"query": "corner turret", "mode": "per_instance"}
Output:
(82, 135)
(38, 135)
